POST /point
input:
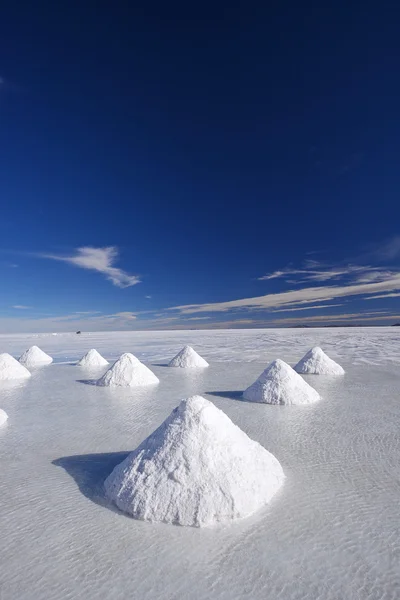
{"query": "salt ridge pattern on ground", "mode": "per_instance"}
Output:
(331, 533)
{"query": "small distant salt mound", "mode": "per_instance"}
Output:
(188, 358)
(280, 384)
(35, 357)
(3, 417)
(92, 359)
(11, 368)
(128, 371)
(197, 469)
(318, 363)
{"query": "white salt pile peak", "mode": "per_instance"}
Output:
(3, 416)
(318, 363)
(92, 359)
(11, 368)
(35, 357)
(128, 371)
(280, 384)
(197, 469)
(188, 358)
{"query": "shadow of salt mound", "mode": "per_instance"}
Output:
(232, 395)
(89, 472)
(87, 381)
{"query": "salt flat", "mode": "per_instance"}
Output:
(331, 533)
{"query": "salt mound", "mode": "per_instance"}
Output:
(3, 417)
(128, 371)
(11, 368)
(188, 358)
(35, 357)
(92, 359)
(280, 384)
(319, 363)
(196, 469)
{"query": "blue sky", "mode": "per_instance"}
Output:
(174, 168)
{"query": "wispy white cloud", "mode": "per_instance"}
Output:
(129, 316)
(344, 280)
(198, 318)
(315, 271)
(278, 274)
(374, 275)
(312, 307)
(100, 260)
(382, 296)
(316, 320)
(386, 251)
(294, 297)
(344, 318)
(96, 316)
(21, 306)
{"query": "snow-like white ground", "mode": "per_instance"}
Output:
(331, 533)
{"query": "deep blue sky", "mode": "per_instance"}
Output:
(210, 145)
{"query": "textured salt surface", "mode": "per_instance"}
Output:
(35, 357)
(11, 368)
(280, 384)
(331, 533)
(128, 371)
(318, 363)
(92, 359)
(3, 416)
(188, 358)
(197, 469)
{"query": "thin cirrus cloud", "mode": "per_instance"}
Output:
(344, 281)
(294, 297)
(343, 318)
(21, 306)
(388, 251)
(101, 260)
(314, 271)
(312, 307)
(382, 296)
(128, 316)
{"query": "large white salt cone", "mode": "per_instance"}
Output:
(3, 417)
(11, 369)
(280, 384)
(318, 363)
(128, 371)
(188, 358)
(92, 360)
(35, 357)
(197, 469)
